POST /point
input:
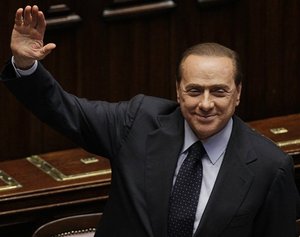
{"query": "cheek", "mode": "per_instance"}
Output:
(188, 103)
(186, 106)
(227, 107)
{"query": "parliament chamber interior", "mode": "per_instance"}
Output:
(113, 50)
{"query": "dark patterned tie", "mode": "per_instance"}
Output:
(185, 195)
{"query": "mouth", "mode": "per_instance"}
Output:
(205, 117)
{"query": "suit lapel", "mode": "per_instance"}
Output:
(232, 184)
(163, 148)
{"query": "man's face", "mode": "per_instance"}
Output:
(207, 93)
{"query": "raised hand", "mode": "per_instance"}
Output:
(27, 37)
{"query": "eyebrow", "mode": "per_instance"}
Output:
(193, 85)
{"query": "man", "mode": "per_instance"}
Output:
(246, 183)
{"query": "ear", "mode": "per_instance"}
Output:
(239, 91)
(177, 92)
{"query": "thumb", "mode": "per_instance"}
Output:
(47, 49)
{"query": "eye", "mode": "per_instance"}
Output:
(194, 92)
(219, 92)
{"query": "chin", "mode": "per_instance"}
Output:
(204, 133)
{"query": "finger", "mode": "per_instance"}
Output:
(19, 17)
(41, 22)
(27, 16)
(47, 49)
(34, 16)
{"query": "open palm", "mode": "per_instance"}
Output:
(27, 36)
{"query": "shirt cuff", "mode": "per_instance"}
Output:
(26, 72)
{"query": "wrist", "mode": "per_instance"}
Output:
(23, 64)
(24, 72)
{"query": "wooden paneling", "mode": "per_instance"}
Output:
(114, 59)
(50, 186)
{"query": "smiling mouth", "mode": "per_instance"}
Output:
(206, 118)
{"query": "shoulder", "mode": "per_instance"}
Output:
(152, 105)
(265, 149)
(257, 139)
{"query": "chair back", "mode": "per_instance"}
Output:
(72, 226)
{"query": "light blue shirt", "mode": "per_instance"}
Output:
(26, 72)
(215, 147)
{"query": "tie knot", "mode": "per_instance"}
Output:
(197, 150)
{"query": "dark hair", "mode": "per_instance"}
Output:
(212, 49)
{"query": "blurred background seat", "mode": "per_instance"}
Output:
(72, 226)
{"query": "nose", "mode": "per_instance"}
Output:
(206, 102)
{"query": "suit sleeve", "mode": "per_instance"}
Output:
(97, 126)
(277, 217)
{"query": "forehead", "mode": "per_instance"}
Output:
(207, 67)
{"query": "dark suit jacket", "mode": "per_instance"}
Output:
(254, 194)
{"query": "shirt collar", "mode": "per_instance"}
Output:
(215, 145)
